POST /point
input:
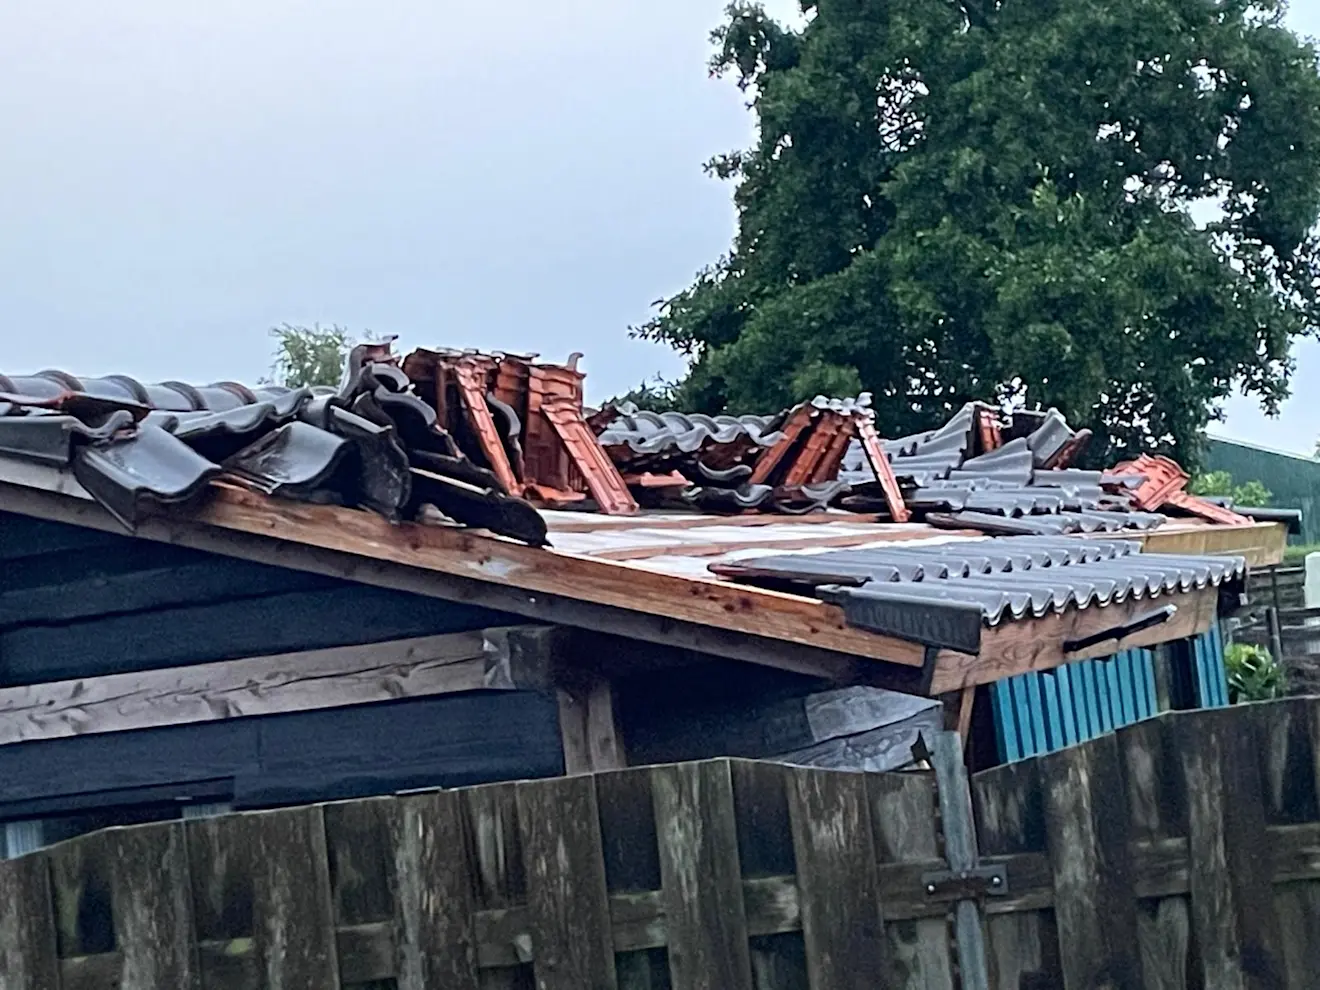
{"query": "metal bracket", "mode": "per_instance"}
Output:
(961, 885)
(1142, 622)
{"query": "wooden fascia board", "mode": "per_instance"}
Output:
(1012, 648)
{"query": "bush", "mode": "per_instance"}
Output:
(1253, 674)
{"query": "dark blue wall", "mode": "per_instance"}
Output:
(78, 603)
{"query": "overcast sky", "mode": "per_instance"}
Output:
(177, 177)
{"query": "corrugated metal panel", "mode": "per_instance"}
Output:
(1041, 712)
(942, 595)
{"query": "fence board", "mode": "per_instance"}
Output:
(903, 820)
(27, 926)
(567, 900)
(702, 881)
(437, 903)
(1022, 945)
(1088, 838)
(1232, 897)
(840, 898)
(261, 883)
(765, 850)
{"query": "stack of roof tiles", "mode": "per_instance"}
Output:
(1013, 477)
(786, 463)
(373, 443)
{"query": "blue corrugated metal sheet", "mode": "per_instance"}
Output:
(1041, 712)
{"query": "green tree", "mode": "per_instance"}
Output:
(307, 356)
(965, 199)
(1220, 483)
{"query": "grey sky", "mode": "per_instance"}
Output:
(177, 177)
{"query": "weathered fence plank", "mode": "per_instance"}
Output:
(567, 899)
(121, 909)
(905, 828)
(705, 922)
(765, 848)
(1232, 894)
(1087, 832)
(436, 898)
(840, 896)
(27, 926)
(261, 890)
(1022, 945)
(500, 883)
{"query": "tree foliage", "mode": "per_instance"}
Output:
(1220, 483)
(306, 356)
(970, 199)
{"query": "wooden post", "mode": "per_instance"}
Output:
(588, 727)
(960, 850)
(1276, 633)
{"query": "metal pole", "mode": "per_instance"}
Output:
(961, 852)
(1276, 633)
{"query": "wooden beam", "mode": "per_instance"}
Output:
(786, 545)
(290, 682)
(590, 524)
(1016, 647)
(1262, 543)
(589, 728)
(464, 553)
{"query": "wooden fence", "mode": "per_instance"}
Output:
(1181, 851)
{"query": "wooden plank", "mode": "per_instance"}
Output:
(27, 926)
(567, 900)
(960, 849)
(1088, 839)
(906, 830)
(577, 522)
(494, 845)
(361, 838)
(1010, 821)
(702, 884)
(785, 544)
(838, 887)
(589, 728)
(267, 685)
(125, 891)
(437, 903)
(765, 851)
(264, 877)
(1013, 647)
(464, 553)
(1232, 901)
(632, 874)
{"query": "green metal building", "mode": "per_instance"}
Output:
(1292, 479)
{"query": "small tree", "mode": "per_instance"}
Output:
(308, 356)
(1221, 484)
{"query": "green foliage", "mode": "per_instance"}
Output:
(1253, 675)
(306, 356)
(1298, 553)
(656, 395)
(1221, 484)
(955, 199)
